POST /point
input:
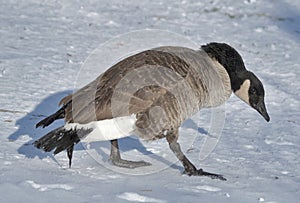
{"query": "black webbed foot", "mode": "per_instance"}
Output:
(190, 169)
(200, 172)
(129, 164)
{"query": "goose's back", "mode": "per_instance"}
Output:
(163, 87)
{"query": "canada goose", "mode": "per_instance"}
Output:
(151, 94)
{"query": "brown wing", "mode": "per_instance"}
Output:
(130, 86)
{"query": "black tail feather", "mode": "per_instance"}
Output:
(59, 139)
(50, 119)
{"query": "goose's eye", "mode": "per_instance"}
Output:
(252, 90)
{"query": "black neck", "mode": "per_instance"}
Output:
(230, 59)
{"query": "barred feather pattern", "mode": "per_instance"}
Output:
(162, 87)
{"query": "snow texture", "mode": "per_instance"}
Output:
(43, 45)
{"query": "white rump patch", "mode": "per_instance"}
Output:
(108, 129)
(243, 92)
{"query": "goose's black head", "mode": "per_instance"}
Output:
(243, 82)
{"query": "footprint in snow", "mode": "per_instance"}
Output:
(134, 197)
(208, 188)
(45, 187)
(203, 188)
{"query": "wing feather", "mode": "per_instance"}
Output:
(94, 101)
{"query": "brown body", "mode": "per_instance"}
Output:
(156, 90)
(162, 87)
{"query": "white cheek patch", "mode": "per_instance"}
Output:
(243, 92)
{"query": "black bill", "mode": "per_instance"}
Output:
(261, 108)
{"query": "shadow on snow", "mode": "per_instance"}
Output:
(26, 126)
(289, 19)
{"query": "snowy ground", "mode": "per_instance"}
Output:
(43, 45)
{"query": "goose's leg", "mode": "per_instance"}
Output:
(189, 168)
(116, 159)
(70, 154)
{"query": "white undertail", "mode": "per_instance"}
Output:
(108, 129)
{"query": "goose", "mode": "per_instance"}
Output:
(150, 94)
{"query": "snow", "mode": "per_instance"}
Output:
(48, 186)
(43, 46)
(134, 197)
